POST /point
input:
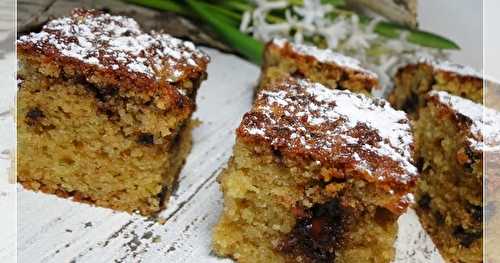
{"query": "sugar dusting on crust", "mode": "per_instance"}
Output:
(325, 56)
(485, 122)
(450, 67)
(300, 117)
(116, 42)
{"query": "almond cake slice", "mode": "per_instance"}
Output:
(317, 175)
(104, 110)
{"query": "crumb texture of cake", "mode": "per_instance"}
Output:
(316, 177)
(334, 70)
(452, 135)
(104, 110)
(413, 81)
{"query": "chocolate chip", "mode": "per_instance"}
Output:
(439, 218)
(35, 113)
(146, 139)
(465, 236)
(420, 164)
(316, 235)
(298, 74)
(424, 201)
(33, 116)
(101, 93)
(411, 103)
(476, 212)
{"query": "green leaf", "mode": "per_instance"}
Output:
(244, 44)
(422, 38)
(428, 39)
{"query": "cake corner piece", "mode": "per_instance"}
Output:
(316, 177)
(104, 110)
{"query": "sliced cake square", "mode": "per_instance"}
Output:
(317, 175)
(412, 82)
(103, 110)
(334, 70)
(452, 136)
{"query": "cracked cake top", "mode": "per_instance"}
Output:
(360, 136)
(116, 48)
(483, 124)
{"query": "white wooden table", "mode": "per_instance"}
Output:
(51, 229)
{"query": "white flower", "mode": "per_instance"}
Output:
(360, 38)
(342, 34)
(335, 32)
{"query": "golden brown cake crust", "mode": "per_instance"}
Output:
(347, 69)
(115, 50)
(357, 135)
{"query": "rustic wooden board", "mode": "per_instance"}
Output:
(51, 229)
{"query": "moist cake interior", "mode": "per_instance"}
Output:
(315, 177)
(84, 142)
(103, 110)
(450, 192)
(275, 213)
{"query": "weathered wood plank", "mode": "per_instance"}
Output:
(8, 219)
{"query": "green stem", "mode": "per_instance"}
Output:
(422, 38)
(244, 44)
(230, 16)
(235, 5)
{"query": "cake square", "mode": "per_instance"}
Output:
(103, 110)
(334, 70)
(452, 136)
(412, 82)
(317, 175)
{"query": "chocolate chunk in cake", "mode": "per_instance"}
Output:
(317, 175)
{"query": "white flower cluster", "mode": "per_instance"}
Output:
(343, 33)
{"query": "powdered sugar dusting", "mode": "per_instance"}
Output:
(116, 42)
(325, 56)
(485, 122)
(301, 115)
(447, 66)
